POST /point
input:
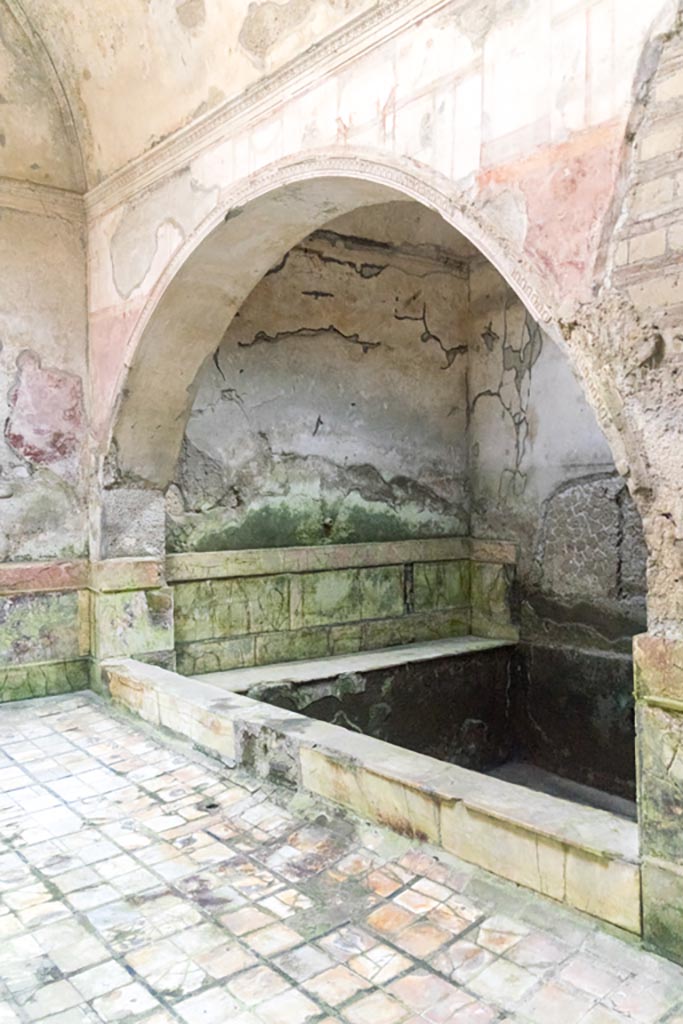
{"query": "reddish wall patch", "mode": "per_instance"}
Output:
(567, 189)
(46, 418)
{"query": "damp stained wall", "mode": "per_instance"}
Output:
(43, 508)
(334, 410)
(383, 382)
(541, 474)
(35, 144)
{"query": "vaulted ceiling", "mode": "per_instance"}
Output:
(87, 86)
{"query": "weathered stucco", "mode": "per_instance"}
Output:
(38, 141)
(335, 408)
(181, 151)
(44, 447)
(375, 388)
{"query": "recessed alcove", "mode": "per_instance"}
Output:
(387, 449)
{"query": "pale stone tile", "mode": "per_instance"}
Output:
(95, 896)
(43, 914)
(422, 939)
(538, 950)
(51, 999)
(557, 1002)
(433, 889)
(601, 1015)
(214, 1006)
(473, 1013)
(336, 985)
(504, 983)
(462, 960)
(500, 933)
(377, 1008)
(273, 939)
(347, 942)
(257, 985)
(590, 976)
(166, 969)
(77, 1015)
(70, 946)
(415, 902)
(115, 867)
(248, 919)
(642, 1000)
(79, 878)
(97, 981)
(380, 964)
(303, 963)
(123, 1003)
(290, 1007)
(423, 991)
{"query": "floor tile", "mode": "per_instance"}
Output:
(185, 893)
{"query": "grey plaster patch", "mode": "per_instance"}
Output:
(133, 522)
(177, 203)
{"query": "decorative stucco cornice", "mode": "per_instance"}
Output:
(30, 197)
(382, 22)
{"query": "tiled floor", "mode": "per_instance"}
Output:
(140, 882)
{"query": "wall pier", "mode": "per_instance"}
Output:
(659, 723)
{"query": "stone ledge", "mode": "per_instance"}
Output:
(583, 857)
(39, 577)
(111, 574)
(117, 574)
(200, 565)
(240, 680)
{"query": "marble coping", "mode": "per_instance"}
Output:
(198, 565)
(116, 574)
(240, 680)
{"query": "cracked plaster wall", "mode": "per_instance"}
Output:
(310, 423)
(518, 166)
(542, 474)
(42, 395)
(381, 382)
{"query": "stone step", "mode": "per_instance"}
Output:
(581, 856)
(240, 680)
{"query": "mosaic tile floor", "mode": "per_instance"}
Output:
(141, 882)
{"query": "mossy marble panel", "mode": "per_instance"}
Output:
(40, 627)
(326, 597)
(441, 585)
(660, 782)
(491, 598)
(224, 608)
(19, 682)
(131, 623)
